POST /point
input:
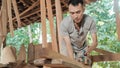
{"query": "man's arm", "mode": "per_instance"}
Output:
(69, 47)
(94, 43)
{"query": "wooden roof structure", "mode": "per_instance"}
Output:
(29, 11)
(19, 13)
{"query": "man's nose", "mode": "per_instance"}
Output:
(75, 16)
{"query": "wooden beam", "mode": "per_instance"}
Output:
(116, 9)
(52, 29)
(9, 9)
(4, 15)
(59, 19)
(102, 51)
(13, 49)
(29, 66)
(43, 22)
(37, 51)
(46, 67)
(56, 66)
(22, 54)
(48, 53)
(31, 53)
(16, 12)
(108, 57)
(7, 55)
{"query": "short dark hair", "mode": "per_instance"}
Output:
(75, 2)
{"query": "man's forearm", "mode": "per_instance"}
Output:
(70, 51)
(69, 47)
(94, 43)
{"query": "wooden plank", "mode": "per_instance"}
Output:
(116, 9)
(37, 51)
(3, 65)
(46, 67)
(52, 29)
(58, 18)
(56, 63)
(30, 66)
(31, 53)
(102, 51)
(22, 54)
(4, 15)
(7, 55)
(43, 22)
(9, 9)
(16, 12)
(13, 49)
(108, 57)
(47, 53)
(56, 66)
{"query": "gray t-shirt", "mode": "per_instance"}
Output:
(77, 38)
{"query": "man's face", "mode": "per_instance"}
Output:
(76, 12)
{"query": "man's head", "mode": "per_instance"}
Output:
(76, 9)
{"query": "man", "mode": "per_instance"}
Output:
(74, 30)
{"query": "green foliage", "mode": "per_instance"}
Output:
(102, 12)
(20, 38)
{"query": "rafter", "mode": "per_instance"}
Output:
(35, 11)
(9, 9)
(16, 12)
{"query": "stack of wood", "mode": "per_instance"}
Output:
(36, 57)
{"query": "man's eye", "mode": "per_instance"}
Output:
(78, 12)
(71, 13)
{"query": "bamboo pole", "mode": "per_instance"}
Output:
(52, 30)
(43, 22)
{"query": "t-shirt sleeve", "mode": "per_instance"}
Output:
(63, 29)
(93, 27)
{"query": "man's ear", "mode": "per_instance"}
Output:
(83, 8)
